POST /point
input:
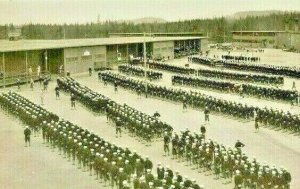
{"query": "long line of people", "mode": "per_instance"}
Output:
(139, 124)
(203, 61)
(226, 163)
(171, 68)
(137, 71)
(268, 116)
(264, 79)
(241, 58)
(262, 68)
(110, 164)
(243, 89)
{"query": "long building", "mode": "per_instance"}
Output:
(288, 39)
(77, 55)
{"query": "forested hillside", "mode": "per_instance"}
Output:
(215, 28)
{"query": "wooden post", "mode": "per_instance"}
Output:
(3, 64)
(26, 64)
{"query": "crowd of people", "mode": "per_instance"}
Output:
(136, 71)
(240, 58)
(211, 156)
(110, 164)
(203, 61)
(262, 68)
(243, 89)
(227, 163)
(264, 79)
(139, 124)
(268, 116)
(171, 68)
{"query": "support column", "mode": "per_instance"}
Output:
(117, 55)
(127, 53)
(46, 60)
(136, 49)
(26, 63)
(3, 65)
(145, 63)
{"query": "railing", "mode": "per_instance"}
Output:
(23, 78)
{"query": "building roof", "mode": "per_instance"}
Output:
(159, 34)
(258, 31)
(23, 45)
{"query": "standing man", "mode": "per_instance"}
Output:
(166, 143)
(90, 71)
(61, 70)
(256, 125)
(184, 100)
(294, 86)
(31, 83)
(118, 127)
(38, 70)
(19, 84)
(203, 131)
(116, 86)
(57, 92)
(73, 98)
(206, 114)
(45, 84)
(27, 133)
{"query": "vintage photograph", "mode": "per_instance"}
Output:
(150, 94)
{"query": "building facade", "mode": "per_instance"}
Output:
(77, 55)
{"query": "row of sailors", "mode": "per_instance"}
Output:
(247, 77)
(110, 164)
(263, 68)
(136, 71)
(227, 163)
(139, 124)
(243, 89)
(268, 116)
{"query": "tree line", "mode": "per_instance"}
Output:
(218, 29)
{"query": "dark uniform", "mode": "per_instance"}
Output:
(27, 133)
(166, 144)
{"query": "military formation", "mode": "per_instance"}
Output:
(139, 124)
(245, 77)
(272, 93)
(240, 58)
(203, 61)
(262, 68)
(227, 163)
(112, 165)
(267, 116)
(137, 71)
(171, 68)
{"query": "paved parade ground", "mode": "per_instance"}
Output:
(38, 166)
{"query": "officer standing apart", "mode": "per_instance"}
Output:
(90, 71)
(203, 131)
(118, 127)
(116, 86)
(206, 114)
(57, 92)
(27, 133)
(73, 102)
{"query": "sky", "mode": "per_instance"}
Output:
(83, 11)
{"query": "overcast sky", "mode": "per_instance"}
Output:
(82, 11)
